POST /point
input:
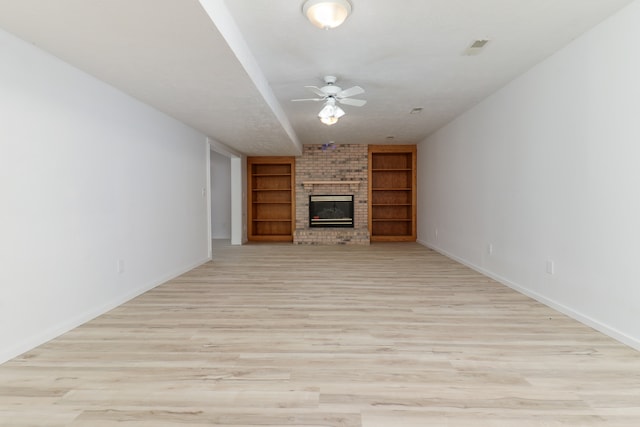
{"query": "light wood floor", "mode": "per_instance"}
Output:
(281, 335)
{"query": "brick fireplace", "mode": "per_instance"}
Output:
(335, 170)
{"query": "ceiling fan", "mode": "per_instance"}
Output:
(330, 94)
(330, 90)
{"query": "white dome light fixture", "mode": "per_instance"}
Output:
(326, 14)
(330, 114)
(331, 120)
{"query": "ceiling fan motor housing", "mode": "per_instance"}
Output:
(330, 80)
(331, 89)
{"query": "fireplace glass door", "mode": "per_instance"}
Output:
(331, 211)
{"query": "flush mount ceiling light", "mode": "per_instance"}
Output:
(330, 113)
(326, 14)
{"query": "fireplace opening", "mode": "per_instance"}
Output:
(331, 211)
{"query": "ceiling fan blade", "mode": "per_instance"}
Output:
(351, 101)
(308, 99)
(352, 91)
(317, 91)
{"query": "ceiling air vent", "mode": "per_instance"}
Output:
(476, 47)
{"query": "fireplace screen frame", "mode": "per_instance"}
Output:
(343, 222)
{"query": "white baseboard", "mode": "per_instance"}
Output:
(69, 324)
(580, 317)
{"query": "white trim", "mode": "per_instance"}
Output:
(61, 328)
(237, 202)
(237, 192)
(598, 326)
(208, 201)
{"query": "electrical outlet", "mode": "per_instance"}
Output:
(436, 234)
(550, 267)
(120, 266)
(490, 249)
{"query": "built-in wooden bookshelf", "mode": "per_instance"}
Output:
(392, 192)
(270, 198)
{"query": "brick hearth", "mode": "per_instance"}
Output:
(324, 168)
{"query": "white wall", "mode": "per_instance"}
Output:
(88, 176)
(547, 169)
(220, 196)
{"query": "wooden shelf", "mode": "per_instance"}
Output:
(271, 207)
(391, 189)
(392, 196)
(271, 203)
(330, 182)
(308, 185)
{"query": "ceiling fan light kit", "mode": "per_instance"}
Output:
(326, 14)
(332, 94)
(330, 113)
(331, 120)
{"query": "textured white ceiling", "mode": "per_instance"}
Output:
(232, 76)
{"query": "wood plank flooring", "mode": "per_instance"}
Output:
(281, 335)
